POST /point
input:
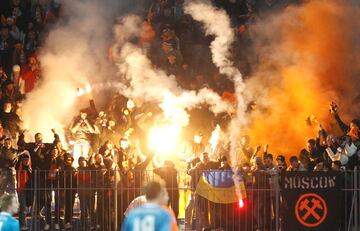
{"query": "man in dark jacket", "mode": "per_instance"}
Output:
(132, 177)
(315, 152)
(84, 191)
(10, 120)
(23, 175)
(204, 164)
(111, 179)
(190, 207)
(352, 131)
(98, 170)
(37, 149)
(224, 163)
(168, 173)
(68, 179)
(53, 164)
(8, 159)
(138, 172)
(201, 207)
(38, 154)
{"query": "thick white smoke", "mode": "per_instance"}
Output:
(153, 85)
(73, 55)
(217, 23)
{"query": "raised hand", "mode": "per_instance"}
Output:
(333, 108)
(266, 147)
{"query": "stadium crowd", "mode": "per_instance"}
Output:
(100, 158)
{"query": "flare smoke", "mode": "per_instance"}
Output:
(217, 23)
(72, 56)
(153, 85)
(308, 57)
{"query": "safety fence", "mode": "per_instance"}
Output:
(260, 200)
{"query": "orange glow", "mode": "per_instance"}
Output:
(164, 140)
(314, 66)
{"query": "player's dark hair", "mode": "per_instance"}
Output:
(152, 190)
(5, 201)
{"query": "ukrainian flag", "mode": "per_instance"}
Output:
(218, 186)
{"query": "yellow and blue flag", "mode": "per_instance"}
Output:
(218, 186)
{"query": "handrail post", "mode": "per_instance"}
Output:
(116, 200)
(277, 195)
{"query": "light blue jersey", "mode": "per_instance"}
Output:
(149, 217)
(8, 223)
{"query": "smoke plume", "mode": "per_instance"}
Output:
(217, 23)
(73, 55)
(308, 56)
(148, 84)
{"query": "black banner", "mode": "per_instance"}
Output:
(312, 201)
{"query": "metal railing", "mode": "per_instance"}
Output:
(98, 199)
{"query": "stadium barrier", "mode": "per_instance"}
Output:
(99, 199)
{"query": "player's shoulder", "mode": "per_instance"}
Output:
(152, 209)
(139, 200)
(15, 225)
(169, 213)
(167, 210)
(13, 221)
(6, 217)
(169, 217)
(145, 208)
(9, 221)
(160, 217)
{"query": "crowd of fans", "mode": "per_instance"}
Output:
(100, 157)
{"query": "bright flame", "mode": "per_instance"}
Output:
(163, 140)
(130, 104)
(124, 143)
(80, 92)
(215, 136)
(174, 110)
(88, 88)
(241, 203)
(198, 139)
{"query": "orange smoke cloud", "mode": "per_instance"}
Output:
(309, 59)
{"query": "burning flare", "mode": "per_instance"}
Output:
(215, 136)
(164, 140)
(198, 139)
(82, 91)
